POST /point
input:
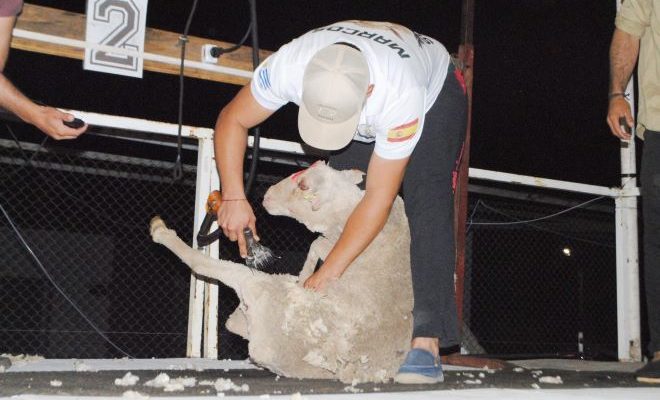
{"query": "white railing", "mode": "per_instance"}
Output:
(627, 252)
(203, 296)
(203, 303)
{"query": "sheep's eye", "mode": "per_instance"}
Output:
(302, 185)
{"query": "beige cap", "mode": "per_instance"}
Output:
(335, 87)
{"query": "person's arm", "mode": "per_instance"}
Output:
(47, 119)
(230, 141)
(6, 27)
(623, 57)
(384, 178)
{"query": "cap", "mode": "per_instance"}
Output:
(335, 86)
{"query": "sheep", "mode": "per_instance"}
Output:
(359, 328)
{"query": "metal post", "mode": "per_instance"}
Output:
(466, 56)
(211, 294)
(627, 258)
(201, 303)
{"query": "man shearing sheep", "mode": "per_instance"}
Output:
(387, 100)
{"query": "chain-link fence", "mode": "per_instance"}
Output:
(541, 276)
(98, 287)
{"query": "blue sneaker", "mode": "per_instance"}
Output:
(420, 366)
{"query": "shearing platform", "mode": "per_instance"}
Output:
(37, 378)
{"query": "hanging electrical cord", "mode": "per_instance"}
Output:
(183, 39)
(517, 222)
(255, 63)
(217, 51)
(56, 286)
(530, 222)
(20, 148)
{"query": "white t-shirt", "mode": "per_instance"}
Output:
(407, 70)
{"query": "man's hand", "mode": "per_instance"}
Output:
(321, 278)
(624, 50)
(619, 108)
(47, 119)
(233, 216)
(51, 122)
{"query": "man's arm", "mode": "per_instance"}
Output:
(384, 179)
(47, 119)
(230, 141)
(623, 57)
(6, 26)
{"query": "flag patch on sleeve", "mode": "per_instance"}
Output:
(264, 79)
(403, 132)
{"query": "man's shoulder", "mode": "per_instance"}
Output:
(10, 8)
(635, 16)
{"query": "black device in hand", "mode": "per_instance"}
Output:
(75, 124)
(624, 124)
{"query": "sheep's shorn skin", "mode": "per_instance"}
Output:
(359, 329)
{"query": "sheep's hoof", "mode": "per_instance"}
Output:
(157, 225)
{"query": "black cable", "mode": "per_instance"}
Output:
(530, 222)
(28, 161)
(183, 39)
(255, 63)
(52, 281)
(178, 170)
(20, 148)
(218, 51)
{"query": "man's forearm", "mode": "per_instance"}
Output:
(623, 57)
(230, 138)
(10, 97)
(13, 100)
(230, 141)
(364, 224)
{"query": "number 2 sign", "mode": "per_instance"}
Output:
(117, 28)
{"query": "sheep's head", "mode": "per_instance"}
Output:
(319, 197)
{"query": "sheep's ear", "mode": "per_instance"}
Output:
(354, 175)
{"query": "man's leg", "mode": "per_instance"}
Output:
(429, 202)
(651, 219)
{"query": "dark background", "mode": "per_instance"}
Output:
(540, 99)
(540, 84)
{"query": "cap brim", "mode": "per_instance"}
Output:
(326, 136)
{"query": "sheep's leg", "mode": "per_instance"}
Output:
(229, 273)
(237, 323)
(319, 249)
(308, 268)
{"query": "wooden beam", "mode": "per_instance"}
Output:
(69, 25)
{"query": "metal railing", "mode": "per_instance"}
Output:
(83, 207)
